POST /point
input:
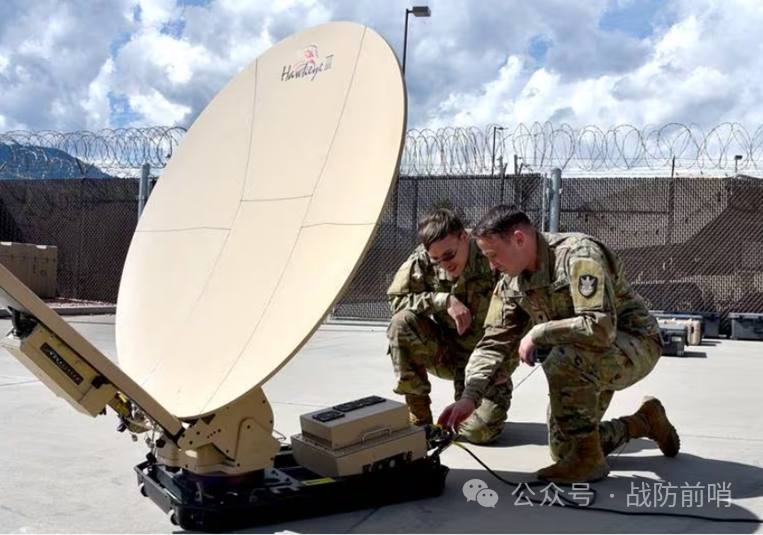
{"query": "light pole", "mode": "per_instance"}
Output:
(418, 11)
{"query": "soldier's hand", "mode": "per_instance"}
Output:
(460, 314)
(526, 350)
(455, 413)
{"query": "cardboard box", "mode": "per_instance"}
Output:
(34, 265)
(386, 451)
(355, 421)
(358, 436)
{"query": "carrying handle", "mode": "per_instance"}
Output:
(382, 431)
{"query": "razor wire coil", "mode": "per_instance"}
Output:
(727, 148)
(117, 152)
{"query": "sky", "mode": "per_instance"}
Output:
(594, 66)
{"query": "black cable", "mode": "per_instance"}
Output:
(600, 509)
(528, 483)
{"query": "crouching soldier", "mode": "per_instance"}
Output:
(439, 299)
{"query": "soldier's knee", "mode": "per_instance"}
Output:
(476, 431)
(480, 433)
(402, 319)
(481, 436)
(486, 424)
(405, 323)
(494, 411)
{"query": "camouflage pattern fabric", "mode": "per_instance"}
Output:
(487, 422)
(580, 380)
(422, 287)
(423, 338)
(417, 346)
(579, 303)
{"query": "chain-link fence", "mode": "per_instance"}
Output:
(689, 244)
(89, 221)
(78, 191)
(413, 197)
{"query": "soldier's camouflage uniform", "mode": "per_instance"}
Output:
(602, 338)
(423, 338)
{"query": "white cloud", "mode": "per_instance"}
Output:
(96, 102)
(155, 13)
(53, 51)
(154, 105)
(82, 64)
(705, 68)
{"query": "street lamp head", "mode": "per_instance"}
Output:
(421, 11)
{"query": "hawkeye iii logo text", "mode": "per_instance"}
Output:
(307, 64)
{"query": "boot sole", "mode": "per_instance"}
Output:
(672, 445)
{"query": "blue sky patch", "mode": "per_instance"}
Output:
(121, 112)
(538, 48)
(174, 28)
(201, 3)
(636, 19)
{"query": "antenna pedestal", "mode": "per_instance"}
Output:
(356, 455)
(235, 439)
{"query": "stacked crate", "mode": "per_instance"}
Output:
(34, 265)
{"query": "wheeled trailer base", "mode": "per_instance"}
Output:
(286, 492)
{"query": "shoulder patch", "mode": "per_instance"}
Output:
(494, 316)
(495, 309)
(587, 284)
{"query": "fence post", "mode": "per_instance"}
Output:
(556, 200)
(544, 197)
(143, 188)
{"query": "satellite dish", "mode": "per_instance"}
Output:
(261, 218)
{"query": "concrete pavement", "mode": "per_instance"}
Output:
(65, 472)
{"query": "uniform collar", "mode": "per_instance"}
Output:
(542, 276)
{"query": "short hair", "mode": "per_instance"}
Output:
(501, 220)
(437, 225)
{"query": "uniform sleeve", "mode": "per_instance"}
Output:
(409, 290)
(594, 323)
(505, 325)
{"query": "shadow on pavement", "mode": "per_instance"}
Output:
(528, 509)
(536, 434)
(687, 485)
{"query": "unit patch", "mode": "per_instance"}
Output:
(587, 285)
(587, 277)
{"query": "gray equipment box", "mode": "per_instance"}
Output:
(674, 338)
(712, 325)
(746, 326)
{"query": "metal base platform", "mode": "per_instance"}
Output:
(286, 492)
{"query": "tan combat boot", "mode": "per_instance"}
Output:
(418, 409)
(584, 463)
(651, 421)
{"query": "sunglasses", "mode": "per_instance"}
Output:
(447, 257)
